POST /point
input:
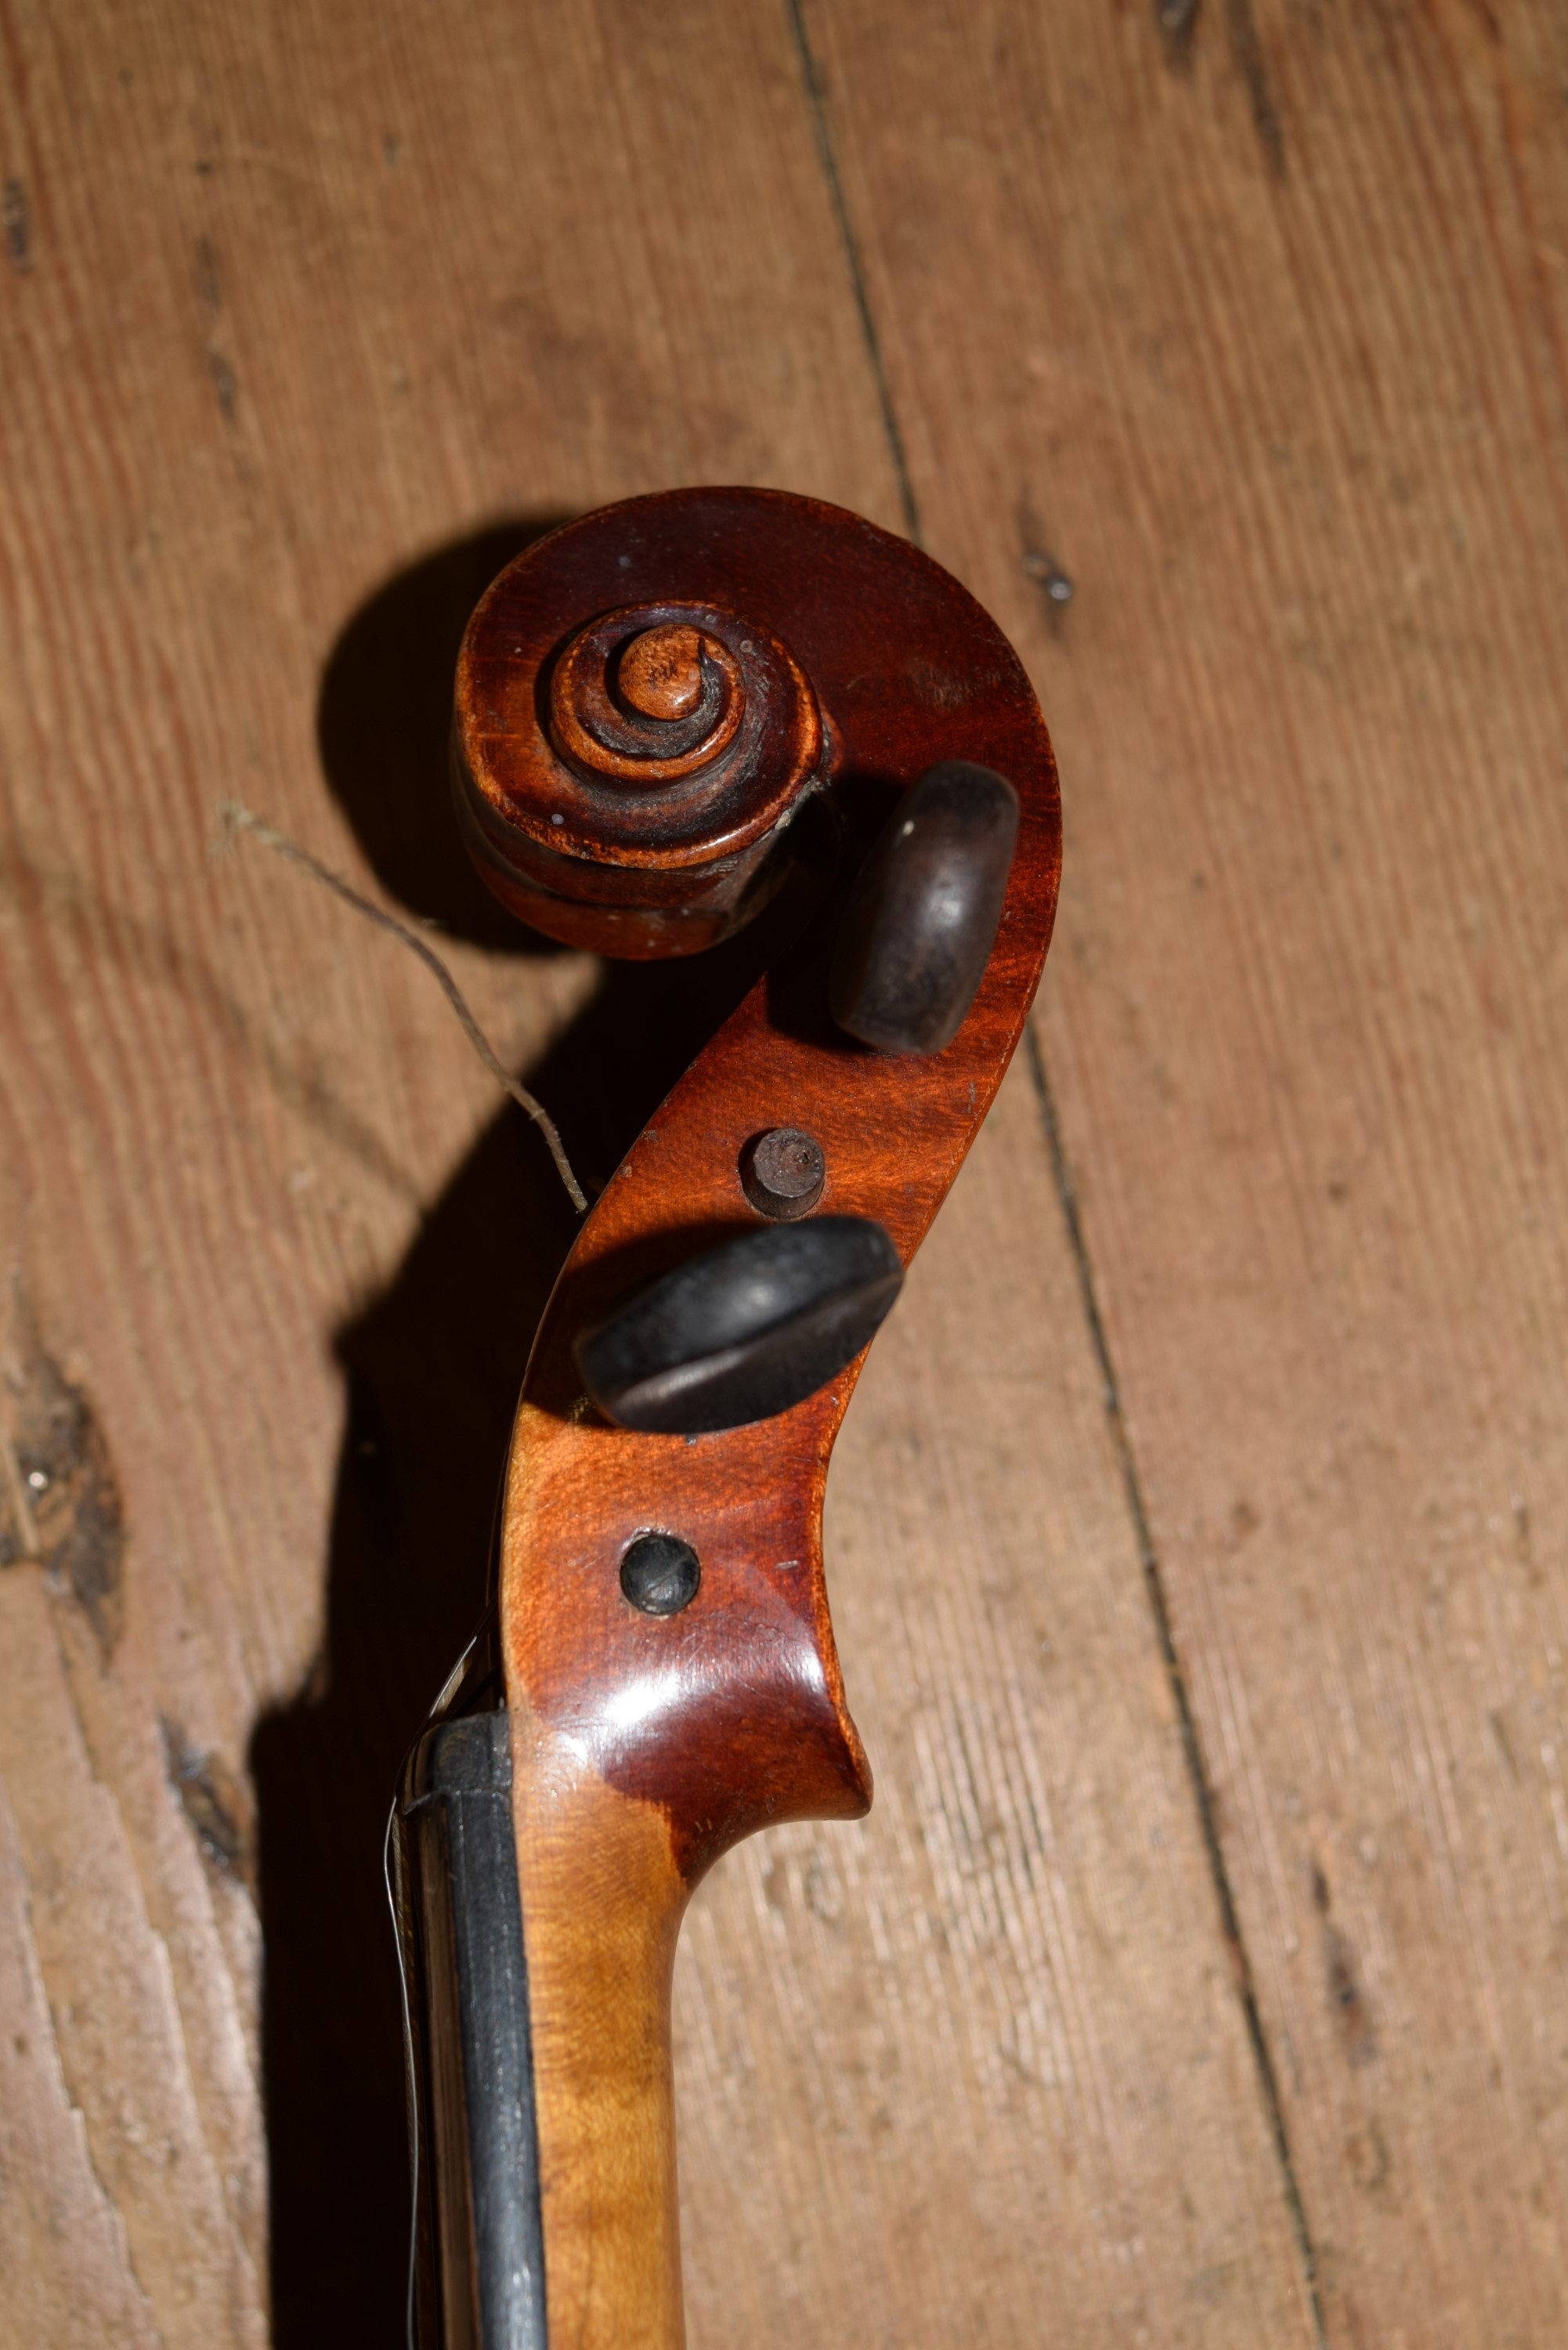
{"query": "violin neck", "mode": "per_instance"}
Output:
(540, 2048)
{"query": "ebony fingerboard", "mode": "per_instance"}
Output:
(479, 2282)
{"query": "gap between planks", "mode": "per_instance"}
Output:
(1197, 1768)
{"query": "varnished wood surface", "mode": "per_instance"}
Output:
(606, 1898)
(672, 1738)
(1255, 331)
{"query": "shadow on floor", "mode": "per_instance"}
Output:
(382, 726)
(431, 1370)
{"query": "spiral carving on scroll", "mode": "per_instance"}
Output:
(623, 785)
(649, 697)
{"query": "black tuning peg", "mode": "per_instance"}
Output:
(921, 919)
(744, 1331)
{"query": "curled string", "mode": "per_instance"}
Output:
(242, 819)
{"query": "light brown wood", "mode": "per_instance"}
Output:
(1269, 355)
(289, 301)
(271, 350)
(989, 2037)
(605, 1899)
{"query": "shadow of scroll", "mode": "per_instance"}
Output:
(431, 1370)
(382, 726)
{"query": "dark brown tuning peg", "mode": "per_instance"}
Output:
(922, 917)
(746, 1330)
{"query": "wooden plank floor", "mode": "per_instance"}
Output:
(1197, 1534)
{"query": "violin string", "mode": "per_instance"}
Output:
(411, 2072)
(243, 819)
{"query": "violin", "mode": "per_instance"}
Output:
(676, 718)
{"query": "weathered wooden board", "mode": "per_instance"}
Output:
(308, 317)
(309, 320)
(992, 2033)
(1262, 341)
(295, 304)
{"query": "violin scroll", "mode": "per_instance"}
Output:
(645, 701)
(620, 783)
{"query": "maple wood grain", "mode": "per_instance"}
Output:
(606, 1893)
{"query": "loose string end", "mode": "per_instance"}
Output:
(240, 818)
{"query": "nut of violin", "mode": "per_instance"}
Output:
(922, 917)
(744, 1331)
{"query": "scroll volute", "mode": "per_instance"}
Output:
(645, 698)
(620, 788)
